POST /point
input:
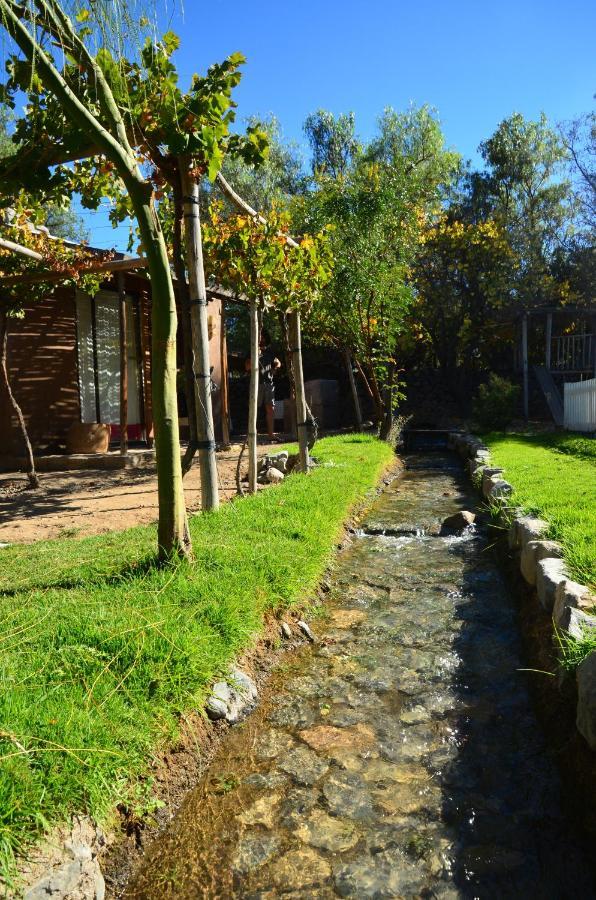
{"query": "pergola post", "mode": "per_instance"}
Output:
(301, 423)
(225, 398)
(200, 337)
(123, 366)
(549, 340)
(524, 339)
(253, 396)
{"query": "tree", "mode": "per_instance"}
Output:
(88, 88)
(523, 160)
(130, 113)
(266, 183)
(332, 141)
(378, 209)
(579, 138)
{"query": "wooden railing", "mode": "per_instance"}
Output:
(573, 353)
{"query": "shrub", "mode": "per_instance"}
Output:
(496, 403)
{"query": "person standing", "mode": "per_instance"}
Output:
(268, 366)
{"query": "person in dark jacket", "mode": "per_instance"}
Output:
(268, 366)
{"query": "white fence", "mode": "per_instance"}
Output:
(580, 405)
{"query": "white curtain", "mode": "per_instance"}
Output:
(107, 332)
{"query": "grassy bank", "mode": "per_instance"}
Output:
(101, 652)
(554, 476)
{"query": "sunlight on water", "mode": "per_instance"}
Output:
(399, 756)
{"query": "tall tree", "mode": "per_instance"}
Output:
(579, 137)
(85, 84)
(524, 161)
(377, 206)
(333, 142)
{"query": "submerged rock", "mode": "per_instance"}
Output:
(328, 832)
(458, 522)
(233, 698)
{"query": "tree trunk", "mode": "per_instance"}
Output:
(353, 388)
(301, 424)
(387, 421)
(253, 397)
(173, 536)
(200, 337)
(184, 303)
(31, 473)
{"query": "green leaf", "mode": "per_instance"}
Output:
(83, 15)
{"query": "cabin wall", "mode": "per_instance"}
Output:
(42, 362)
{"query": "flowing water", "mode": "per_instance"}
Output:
(397, 757)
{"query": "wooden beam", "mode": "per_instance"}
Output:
(123, 366)
(243, 206)
(51, 276)
(549, 340)
(5, 244)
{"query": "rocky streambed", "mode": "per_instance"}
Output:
(399, 755)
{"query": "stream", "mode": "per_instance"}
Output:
(399, 756)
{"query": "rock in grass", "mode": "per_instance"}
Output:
(532, 553)
(550, 572)
(586, 699)
(305, 629)
(273, 475)
(458, 522)
(286, 631)
(571, 595)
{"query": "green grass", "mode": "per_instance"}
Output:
(554, 476)
(101, 652)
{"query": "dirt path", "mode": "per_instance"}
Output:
(95, 501)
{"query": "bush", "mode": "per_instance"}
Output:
(496, 403)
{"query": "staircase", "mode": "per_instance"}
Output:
(551, 393)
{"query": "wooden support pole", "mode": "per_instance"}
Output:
(354, 388)
(301, 424)
(200, 338)
(123, 366)
(95, 360)
(524, 339)
(253, 397)
(549, 340)
(145, 368)
(225, 397)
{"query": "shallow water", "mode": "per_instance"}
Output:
(399, 756)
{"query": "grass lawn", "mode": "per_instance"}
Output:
(101, 652)
(554, 476)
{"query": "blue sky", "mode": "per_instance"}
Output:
(476, 62)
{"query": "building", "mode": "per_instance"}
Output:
(65, 363)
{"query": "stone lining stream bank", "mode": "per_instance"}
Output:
(397, 757)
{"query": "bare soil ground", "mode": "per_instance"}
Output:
(94, 501)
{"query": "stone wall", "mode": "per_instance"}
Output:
(572, 605)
